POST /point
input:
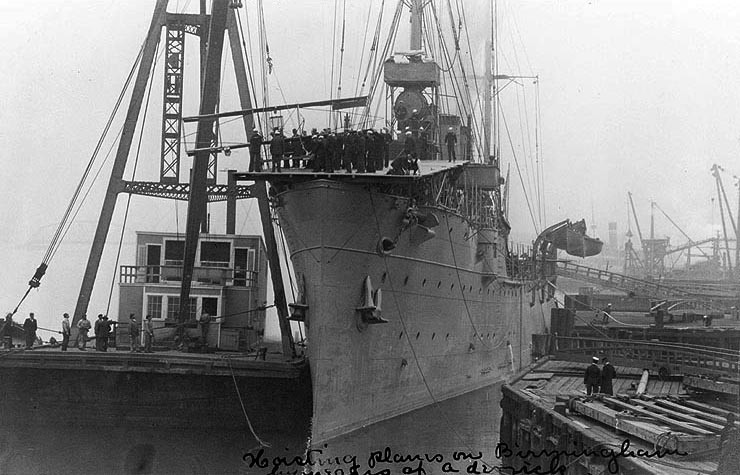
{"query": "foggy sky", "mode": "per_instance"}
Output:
(634, 96)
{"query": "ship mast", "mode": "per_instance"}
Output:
(415, 41)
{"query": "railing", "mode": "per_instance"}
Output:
(201, 275)
(666, 357)
(639, 286)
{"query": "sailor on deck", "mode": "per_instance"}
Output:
(451, 141)
(608, 373)
(592, 377)
(255, 151)
(148, 334)
(277, 150)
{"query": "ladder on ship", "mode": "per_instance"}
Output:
(643, 288)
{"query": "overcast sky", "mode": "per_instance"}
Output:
(637, 96)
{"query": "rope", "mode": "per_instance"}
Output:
(244, 409)
(133, 175)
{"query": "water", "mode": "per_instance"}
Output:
(426, 439)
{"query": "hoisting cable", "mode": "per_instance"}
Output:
(244, 409)
(133, 176)
(35, 281)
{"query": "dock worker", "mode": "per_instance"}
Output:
(7, 331)
(608, 373)
(83, 326)
(451, 141)
(148, 334)
(607, 313)
(204, 323)
(255, 151)
(99, 333)
(592, 377)
(66, 332)
(133, 332)
(29, 327)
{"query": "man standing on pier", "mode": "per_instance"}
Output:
(30, 326)
(66, 332)
(83, 326)
(133, 332)
(592, 378)
(148, 334)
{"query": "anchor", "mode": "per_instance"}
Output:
(370, 310)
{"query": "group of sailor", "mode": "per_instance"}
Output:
(361, 151)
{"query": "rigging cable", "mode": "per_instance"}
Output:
(519, 171)
(133, 175)
(59, 233)
(333, 56)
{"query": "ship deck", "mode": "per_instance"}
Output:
(426, 169)
(549, 402)
(162, 362)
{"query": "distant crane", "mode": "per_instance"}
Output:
(655, 250)
(721, 195)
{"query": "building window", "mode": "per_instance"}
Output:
(215, 254)
(173, 307)
(174, 251)
(154, 306)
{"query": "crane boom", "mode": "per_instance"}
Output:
(634, 214)
(691, 241)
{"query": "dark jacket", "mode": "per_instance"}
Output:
(607, 374)
(277, 145)
(30, 326)
(592, 375)
(255, 143)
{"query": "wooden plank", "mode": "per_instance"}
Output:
(643, 382)
(536, 376)
(704, 407)
(711, 385)
(688, 410)
(665, 419)
(680, 416)
(647, 431)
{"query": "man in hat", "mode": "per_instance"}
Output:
(592, 377)
(608, 373)
(7, 331)
(277, 150)
(409, 145)
(30, 326)
(83, 326)
(451, 141)
(66, 332)
(255, 151)
(134, 330)
(148, 334)
(99, 344)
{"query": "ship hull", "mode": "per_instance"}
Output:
(455, 321)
